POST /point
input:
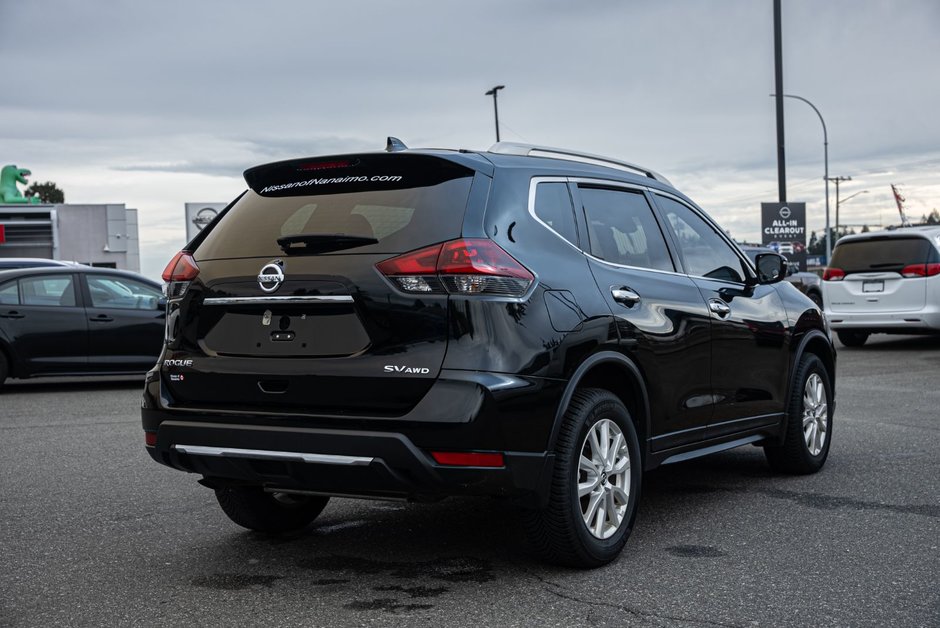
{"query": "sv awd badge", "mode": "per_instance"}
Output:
(391, 368)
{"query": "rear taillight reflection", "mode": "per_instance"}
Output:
(468, 459)
(833, 274)
(921, 270)
(464, 266)
(178, 274)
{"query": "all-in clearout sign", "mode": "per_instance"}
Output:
(783, 228)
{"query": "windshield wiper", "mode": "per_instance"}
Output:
(886, 265)
(312, 243)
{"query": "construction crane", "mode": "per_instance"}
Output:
(905, 221)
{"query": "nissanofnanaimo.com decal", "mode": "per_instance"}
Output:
(379, 178)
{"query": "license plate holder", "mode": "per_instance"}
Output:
(873, 286)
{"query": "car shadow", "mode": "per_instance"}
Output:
(895, 343)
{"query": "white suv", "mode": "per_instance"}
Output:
(885, 282)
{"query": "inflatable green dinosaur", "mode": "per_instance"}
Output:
(9, 193)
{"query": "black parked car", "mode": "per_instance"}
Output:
(7, 263)
(78, 320)
(525, 322)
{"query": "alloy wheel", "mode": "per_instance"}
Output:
(815, 414)
(604, 478)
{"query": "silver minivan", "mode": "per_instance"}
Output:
(884, 282)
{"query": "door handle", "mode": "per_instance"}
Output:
(625, 296)
(101, 318)
(719, 309)
(13, 314)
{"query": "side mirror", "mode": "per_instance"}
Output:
(771, 268)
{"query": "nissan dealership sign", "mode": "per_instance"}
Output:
(198, 215)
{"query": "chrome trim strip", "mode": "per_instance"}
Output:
(264, 454)
(340, 298)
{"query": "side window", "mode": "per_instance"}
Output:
(9, 294)
(55, 290)
(705, 253)
(121, 293)
(553, 207)
(623, 230)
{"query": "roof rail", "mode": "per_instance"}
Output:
(529, 150)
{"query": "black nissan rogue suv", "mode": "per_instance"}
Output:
(525, 322)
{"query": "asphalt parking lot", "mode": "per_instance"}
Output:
(93, 533)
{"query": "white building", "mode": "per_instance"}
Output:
(97, 235)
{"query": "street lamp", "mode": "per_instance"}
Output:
(826, 175)
(492, 93)
(843, 202)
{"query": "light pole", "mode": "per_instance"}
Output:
(826, 174)
(837, 181)
(492, 93)
(844, 201)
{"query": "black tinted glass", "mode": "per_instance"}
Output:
(704, 252)
(623, 230)
(400, 217)
(883, 254)
(553, 207)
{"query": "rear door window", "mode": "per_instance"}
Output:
(883, 254)
(403, 201)
(623, 230)
(51, 290)
(9, 295)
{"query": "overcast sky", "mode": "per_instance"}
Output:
(154, 104)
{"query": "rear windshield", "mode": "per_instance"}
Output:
(404, 203)
(883, 254)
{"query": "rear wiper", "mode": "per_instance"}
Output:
(311, 243)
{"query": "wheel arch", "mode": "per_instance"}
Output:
(818, 344)
(620, 375)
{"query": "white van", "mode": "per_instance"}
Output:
(884, 282)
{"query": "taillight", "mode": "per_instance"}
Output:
(464, 266)
(833, 274)
(178, 274)
(921, 270)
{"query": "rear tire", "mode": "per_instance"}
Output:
(852, 338)
(595, 484)
(809, 421)
(272, 513)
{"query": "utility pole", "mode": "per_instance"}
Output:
(778, 95)
(837, 181)
(492, 93)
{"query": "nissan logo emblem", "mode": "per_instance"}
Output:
(271, 277)
(784, 212)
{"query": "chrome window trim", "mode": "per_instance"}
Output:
(265, 454)
(640, 268)
(341, 298)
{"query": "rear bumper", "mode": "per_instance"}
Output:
(926, 320)
(376, 457)
(383, 465)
